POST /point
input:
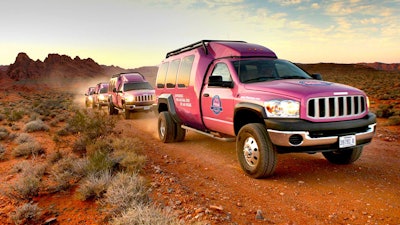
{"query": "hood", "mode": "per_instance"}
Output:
(140, 92)
(303, 88)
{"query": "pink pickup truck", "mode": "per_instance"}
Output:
(233, 90)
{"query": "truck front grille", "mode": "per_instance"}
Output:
(336, 106)
(144, 98)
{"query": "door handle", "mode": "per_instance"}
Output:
(206, 95)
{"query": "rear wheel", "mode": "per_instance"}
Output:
(166, 127)
(127, 113)
(256, 154)
(111, 109)
(343, 156)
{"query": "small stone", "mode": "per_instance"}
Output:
(259, 215)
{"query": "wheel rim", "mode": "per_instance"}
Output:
(251, 152)
(162, 129)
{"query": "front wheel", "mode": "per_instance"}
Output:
(256, 153)
(166, 127)
(343, 156)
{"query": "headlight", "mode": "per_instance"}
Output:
(129, 98)
(101, 97)
(282, 108)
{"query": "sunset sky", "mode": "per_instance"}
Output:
(134, 33)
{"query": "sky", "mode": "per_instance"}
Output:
(135, 33)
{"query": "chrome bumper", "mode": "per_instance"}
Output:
(281, 138)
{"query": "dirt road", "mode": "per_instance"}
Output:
(200, 180)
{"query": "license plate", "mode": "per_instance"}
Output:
(146, 107)
(347, 141)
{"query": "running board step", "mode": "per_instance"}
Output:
(226, 139)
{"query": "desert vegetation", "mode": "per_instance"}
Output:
(61, 147)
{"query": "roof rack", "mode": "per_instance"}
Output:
(118, 74)
(202, 43)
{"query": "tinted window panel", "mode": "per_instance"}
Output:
(172, 72)
(162, 72)
(184, 71)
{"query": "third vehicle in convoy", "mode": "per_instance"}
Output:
(233, 90)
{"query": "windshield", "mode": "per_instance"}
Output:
(103, 90)
(137, 86)
(258, 70)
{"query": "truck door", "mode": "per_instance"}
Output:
(217, 100)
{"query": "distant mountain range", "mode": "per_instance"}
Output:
(57, 66)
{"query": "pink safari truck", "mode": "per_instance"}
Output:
(129, 92)
(100, 96)
(233, 90)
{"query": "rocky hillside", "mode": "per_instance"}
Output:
(56, 66)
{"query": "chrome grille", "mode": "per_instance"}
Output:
(144, 98)
(336, 106)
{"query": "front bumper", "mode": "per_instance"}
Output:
(295, 135)
(133, 107)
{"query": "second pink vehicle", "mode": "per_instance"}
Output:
(129, 92)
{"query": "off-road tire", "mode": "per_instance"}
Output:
(127, 113)
(180, 133)
(343, 157)
(166, 127)
(256, 153)
(111, 109)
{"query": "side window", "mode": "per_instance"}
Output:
(185, 71)
(172, 72)
(162, 72)
(221, 69)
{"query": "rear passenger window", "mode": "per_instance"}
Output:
(172, 72)
(162, 72)
(185, 71)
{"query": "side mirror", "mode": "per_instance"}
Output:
(215, 81)
(316, 76)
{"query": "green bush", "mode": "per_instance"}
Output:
(15, 115)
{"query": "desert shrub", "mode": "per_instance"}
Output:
(93, 124)
(145, 215)
(127, 154)
(2, 152)
(36, 125)
(2, 117)
(3, 133)
(23, 138)
(26, 214)
(94, 186)
(65, 171)
(384, 111)
(15, 115)
(99, 161)
(126, 190)
(27, 148)
(28, 183)
(393, 121)
(27, 186)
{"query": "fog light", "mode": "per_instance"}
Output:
(295, 139)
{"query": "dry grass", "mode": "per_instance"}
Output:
(26, 214)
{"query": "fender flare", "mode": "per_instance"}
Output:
(168, 100)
